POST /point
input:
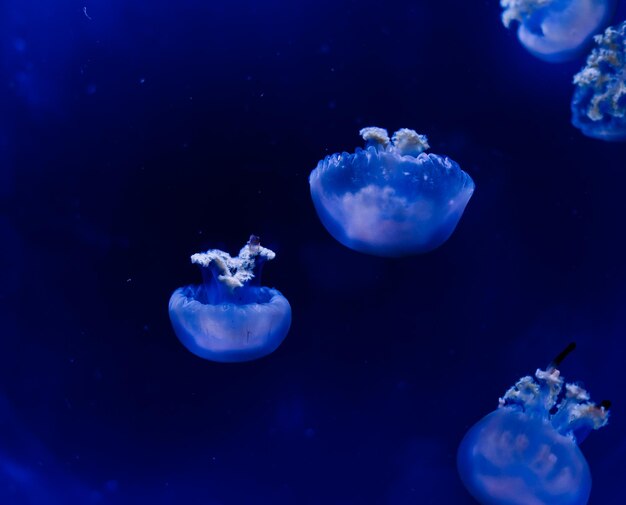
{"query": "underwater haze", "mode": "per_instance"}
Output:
(136, 133)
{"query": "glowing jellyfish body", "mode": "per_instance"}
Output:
(557, 30)
(526, 452)
(230, 317)
(390, 199)
(599, 102)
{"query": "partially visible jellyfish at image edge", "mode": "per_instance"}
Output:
(557, 30)
(526, 451)
(390, 199)
(231, 317)
(599, 102)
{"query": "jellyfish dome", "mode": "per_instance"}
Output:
(230, 317)
(557, 30)
(526, 451)
(390, 199)
(599, 102)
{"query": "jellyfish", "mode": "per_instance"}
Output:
(231, 317)
(557, 30)
(390, 199)
(599, 102)
(526, 451)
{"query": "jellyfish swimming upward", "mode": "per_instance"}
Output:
(390, 199)
(599, 102)
(231, 317)
(526, 451)
(557, 30)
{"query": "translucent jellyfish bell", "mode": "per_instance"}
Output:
(391, 198)
(231, 317)
(599, 102)
(557, 30)
(526, 452)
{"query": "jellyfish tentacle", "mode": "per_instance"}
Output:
(560, 357)
(375, 137)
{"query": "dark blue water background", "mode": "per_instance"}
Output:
(136, 133)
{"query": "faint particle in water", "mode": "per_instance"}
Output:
(599, 101)
(390, 199)
(526, 451)
(231, 317)
(557, 30)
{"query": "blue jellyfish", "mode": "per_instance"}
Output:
(390, 199)
(526, 452)
(599, 102)
(557, 30)
(231, 317)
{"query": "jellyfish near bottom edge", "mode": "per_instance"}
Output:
(229, 332)
(511, 458)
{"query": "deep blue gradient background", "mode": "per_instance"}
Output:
(153, 130)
